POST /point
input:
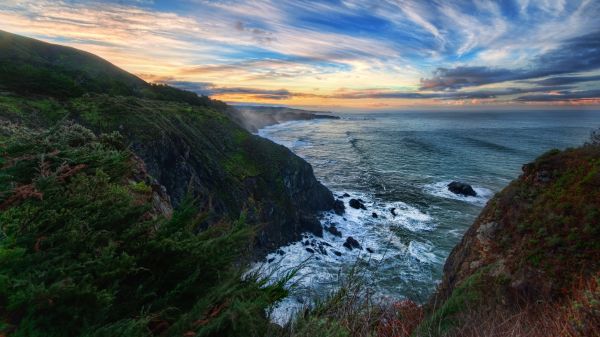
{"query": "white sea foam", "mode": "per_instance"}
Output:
(319, 269)
(440, 189)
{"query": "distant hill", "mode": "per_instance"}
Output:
(33, 67)
(253, 118)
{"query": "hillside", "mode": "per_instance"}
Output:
(528, 266)
(186, 142)
(531, 259)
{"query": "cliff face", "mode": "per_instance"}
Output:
(531, 260)
(187, 142)
(540, 232)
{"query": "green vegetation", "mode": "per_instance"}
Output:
(83, 253)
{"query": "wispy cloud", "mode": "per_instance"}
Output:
(411, 50)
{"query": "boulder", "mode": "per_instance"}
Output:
(374, 215)
(333, 230)
(345, 195)
(460, 188)
(393, 210)
(338, 207)
(310, 250)
(337, 253)
(351, 243)
(356, 204)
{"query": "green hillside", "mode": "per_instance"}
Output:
(132, 209)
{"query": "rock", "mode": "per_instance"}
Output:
(280, 252)
(310, 250)
(361, 201)
(333, 230)
(345, 195)
(271, 260)
(306, 243)
(351, 243)
(338, 207)
(325, 244)
(370, 250)
(356, 204)
(457, 187)
(374, 215)
(322, 250)
(336, 253)
(393, 210)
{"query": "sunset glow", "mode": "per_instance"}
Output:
(339, 54)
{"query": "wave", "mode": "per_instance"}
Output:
(490, 145)
(321, 258)
(440, 189)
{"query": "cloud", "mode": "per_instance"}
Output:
(574, 55)
(561, 80)
(210, 89)
(562, 96)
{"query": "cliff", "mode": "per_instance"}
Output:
(530, 256)
(187, 142)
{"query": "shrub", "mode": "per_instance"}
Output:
(80, 257)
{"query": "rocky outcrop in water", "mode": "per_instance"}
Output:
(460, 188)
(357, 204)
(351, 243)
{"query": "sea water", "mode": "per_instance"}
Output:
(405, 161)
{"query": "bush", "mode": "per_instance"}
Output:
(79, 255)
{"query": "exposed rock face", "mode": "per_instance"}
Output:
(338, 207)
(286, 211)
(457, 187)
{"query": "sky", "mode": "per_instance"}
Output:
(346, 54)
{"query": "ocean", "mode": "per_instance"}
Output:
(405, 160)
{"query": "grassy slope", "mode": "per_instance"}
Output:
(532, 258)
(84, 252)
(185, 140)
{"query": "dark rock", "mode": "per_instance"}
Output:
(271, 260)
(345, 195)
(338, 207)
(457, 187)
(325, 244)
(310, 250)
(336, 253)
(361, 201)
(370, 250)
(356, 204)
(306, 243)
(351, 243)
(280, 252)
(374, 215)
(393, 210)
(322, 250)
(333, 230)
